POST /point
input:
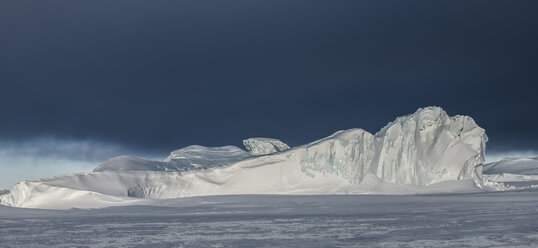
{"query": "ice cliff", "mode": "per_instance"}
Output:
(419, 149)
(427, 151)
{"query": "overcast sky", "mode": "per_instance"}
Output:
(144, 78)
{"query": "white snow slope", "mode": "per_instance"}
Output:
(425, 152)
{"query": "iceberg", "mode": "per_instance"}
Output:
(424, 152)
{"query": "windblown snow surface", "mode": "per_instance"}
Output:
(503, 219)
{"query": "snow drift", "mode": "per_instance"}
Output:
(424, 152)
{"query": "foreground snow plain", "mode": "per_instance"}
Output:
(494, 219)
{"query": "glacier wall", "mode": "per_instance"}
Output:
(419, 149)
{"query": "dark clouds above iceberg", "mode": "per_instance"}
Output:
(159, 76)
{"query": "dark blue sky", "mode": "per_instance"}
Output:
(160, 75)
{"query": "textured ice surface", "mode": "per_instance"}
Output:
(521, 166)
(425, 152)
(188, 158)
(419, 149)
(128, 163)
(263, 146)
(511, 174)
(202, 157)
(504, 219)
(429, 146)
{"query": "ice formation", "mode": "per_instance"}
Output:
(424, 152)
(128, 163)
(511, 173)
(188, 158)
(263, 146)
(520, 166)
(206, 157)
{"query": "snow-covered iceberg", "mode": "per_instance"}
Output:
(424, 152)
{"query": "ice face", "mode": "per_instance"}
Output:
(263, 146)
(419, 149)
(428, 147)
